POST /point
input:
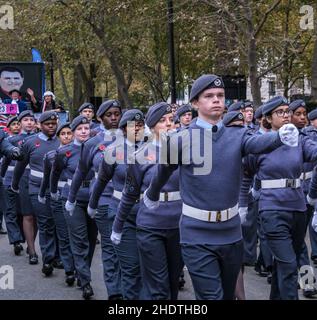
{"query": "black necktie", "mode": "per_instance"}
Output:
(214, 128)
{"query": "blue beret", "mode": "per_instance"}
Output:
(131, 115)
(62, 126)
(273, 104)
(236, 106)
(203, 82)
(248, 104)
(105, 106)
(183, 109)
(296, 104)
(48, 115)
(10, 120)
(156, 112)
(258, 112)
(86, 105)
(25, 113)
(312, 115)
(232, 116)
(78, 121)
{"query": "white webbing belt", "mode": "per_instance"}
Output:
(10, 168)
(210, 216)
(280, 183)
(164, 196)
(61, 184)
(37, 174)
(306, 175)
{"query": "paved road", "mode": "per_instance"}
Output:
(29, 283)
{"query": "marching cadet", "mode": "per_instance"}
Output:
(13, 126)
(282, 203)
(311, 131)
(82, 229)
(132, 124)
(34, 149)
(88, 110)
(299, 119)
(157, 230)
(20, 203)
(210, 226)
(65, 136)
(184, 115)
(91, 156)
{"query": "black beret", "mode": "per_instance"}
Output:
(183, 109)
(86, 105)
(131, 115)
(296, 104)
(312, 115)
(203, 82)
(105, 106)
(232, 116)
(15, 90)
(248, 104)
(48, 115)
(258, 112)
(156, 112)
(273, 104)
(78, 121)
(25, 113)
(62, 126)
(236, 106)
(10, 120)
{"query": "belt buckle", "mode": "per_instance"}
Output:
(218, 216)
(290, 183)
(165, 196)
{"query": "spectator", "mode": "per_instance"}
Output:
(15, 98)
(49, 103)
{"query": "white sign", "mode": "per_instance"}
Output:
(6, 17)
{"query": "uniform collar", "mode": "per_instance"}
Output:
(44, 137)
(206, 125)
(77, 143)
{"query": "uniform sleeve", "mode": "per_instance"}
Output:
(6, 147)
(4, 165)
(309, 149)
(84, 165)
(131, 192)
(313, 185)
(46, 176)
(105, 174)
(59, 164)
(21, 165)
(260, 143)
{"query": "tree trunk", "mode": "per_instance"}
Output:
(314, 73)
(77, 91)
(64, 86)
(254, 81)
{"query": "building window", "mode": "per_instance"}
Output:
(272, 88)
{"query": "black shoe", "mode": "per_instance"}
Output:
(70, 278)
(181, 283)
(78, 283)
(314, 260)
(47, 269)
(262, 271)
(115, 297)
(58, 264)
(269, 278)
(309, 291)
(17, 248)
(2, 231)
(87, 291)
(33, 259)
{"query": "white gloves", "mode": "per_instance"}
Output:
(115, 237)
(243, 211)
(41, 199)
(149, 203)
(55, 196)
(314, 221)
(70, 207)
(91, 212)
(311, 201)
(256, 194)
(289, 135)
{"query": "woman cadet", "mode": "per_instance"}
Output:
(157, 230)
(65, 136)
(282, 204)
(132, 125)
(82, 229)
